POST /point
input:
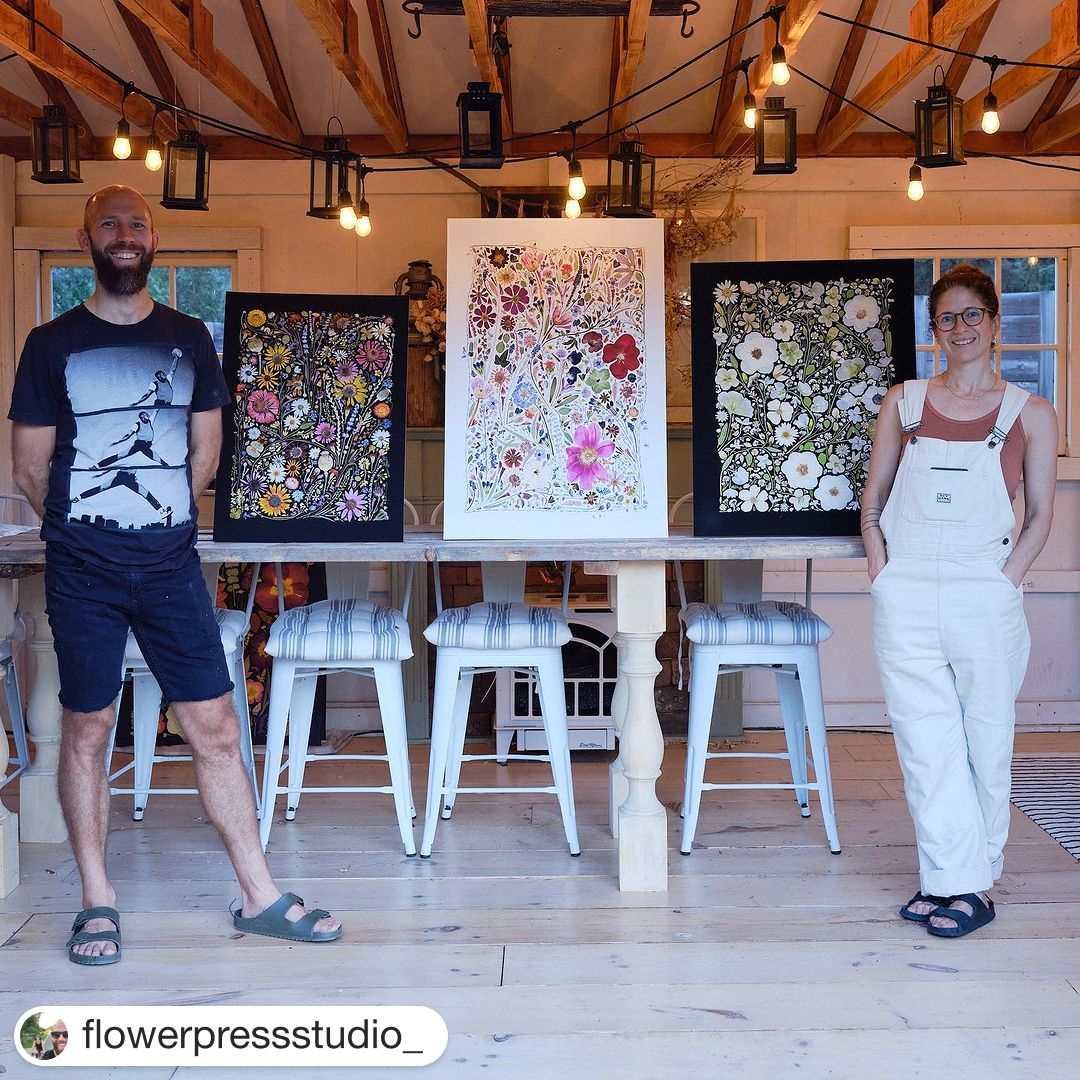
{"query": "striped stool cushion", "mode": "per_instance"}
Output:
(333, 630)
(768, 622)
(232, 626)
(499, 626)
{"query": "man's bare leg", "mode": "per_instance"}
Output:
(84, 797)
(213, 732)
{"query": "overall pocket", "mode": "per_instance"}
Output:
(940, 495)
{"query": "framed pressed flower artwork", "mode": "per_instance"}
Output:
(314, 444)
(790, 362)
(555, 395)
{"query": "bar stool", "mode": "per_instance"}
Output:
(480, 639)
(345, 633)
(780, 637)
(146, 706)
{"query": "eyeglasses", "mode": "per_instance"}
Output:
(947, 319)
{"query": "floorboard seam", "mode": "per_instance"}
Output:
(18, 929)
(502, 968)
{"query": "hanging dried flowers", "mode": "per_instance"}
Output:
(429, 321)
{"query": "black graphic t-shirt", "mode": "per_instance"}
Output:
(120, 398)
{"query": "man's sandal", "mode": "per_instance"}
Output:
(923, 898)
(272, 922)
(79, 936)
(965, 923)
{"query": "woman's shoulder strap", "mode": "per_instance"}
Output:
(911, 404)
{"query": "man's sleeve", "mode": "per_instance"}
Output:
(210, 390)
(36, 396)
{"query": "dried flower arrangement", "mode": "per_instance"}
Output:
(429, 321)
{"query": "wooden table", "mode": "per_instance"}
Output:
(636, 572)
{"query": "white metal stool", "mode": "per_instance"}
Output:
(346, 633)
(483, 638)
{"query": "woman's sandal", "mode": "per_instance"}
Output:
(965, 923)
(923, 898)
(83, 937)
(272, 922)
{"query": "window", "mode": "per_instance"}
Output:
(192, 283)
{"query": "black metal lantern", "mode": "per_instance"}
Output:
(187, 173)
(54, 143)
(631, 178)
(939, 128)
(774, 138)
(330, 175)
(480, 125)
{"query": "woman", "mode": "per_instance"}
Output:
(946, 578)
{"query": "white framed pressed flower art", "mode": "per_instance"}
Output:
(555, 387)
(791, 361)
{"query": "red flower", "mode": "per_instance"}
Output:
(622, 357)
(593, 340)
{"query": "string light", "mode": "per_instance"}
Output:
(781, 73)
(121, 146)
(572, 209)
(363, 211)
(991, 122)
(576, 187)
(915, 189)
(153, 159)
(749, 104)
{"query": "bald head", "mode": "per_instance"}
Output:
(104, 196)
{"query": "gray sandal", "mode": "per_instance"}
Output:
(83, 937)
(272, 922)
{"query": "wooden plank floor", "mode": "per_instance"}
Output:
(768, 955)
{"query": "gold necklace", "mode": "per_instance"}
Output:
(970, 397)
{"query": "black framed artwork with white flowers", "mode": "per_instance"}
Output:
(791, 361)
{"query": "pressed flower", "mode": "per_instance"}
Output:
(622, 356)
(346, 370)
(585, 458)
(277, 358)
(263, 407)
(352, 506)
(515, 299)
(373, 354)
(276, 501)
(325, 432)
(381, 410)
(256, 317)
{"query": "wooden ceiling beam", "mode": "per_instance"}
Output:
(841, 80)
(189, 32)
(478, 21)
(1063, 47)
(1053, 132)
(46, 52)
(17, 109)
(944, 26)
(628, 58)
(268, 56)
(970, 43)
(1056, 96)
(794, 23)
(732, 56)
(384, 46)
(336, 25)
(152, 56)
(58, 95)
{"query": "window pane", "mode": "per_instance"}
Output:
(924, 364)
(200, 291)
(158, 284)
(924, 278)
(1033, 370)
(71, 285)
(1029, 301)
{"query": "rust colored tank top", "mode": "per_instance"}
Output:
(936, 426)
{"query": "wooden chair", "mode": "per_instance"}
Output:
(780, 637)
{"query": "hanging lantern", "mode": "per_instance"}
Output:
(939, 128)
(329, 175)
(774, 138)
(54, 143)
(187, 173)
(480, 124)
(631, 177)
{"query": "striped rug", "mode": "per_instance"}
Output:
(1047, 789)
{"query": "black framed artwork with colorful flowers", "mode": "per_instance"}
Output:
(791, 361)
(555, 406)
(314, 445)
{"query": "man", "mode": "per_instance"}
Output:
(127, 566)
(58, 1033)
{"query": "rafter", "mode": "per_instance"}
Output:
(969, 43)
(58, 95)
(1056, 96)
(796, 20)
(1054, 131)
(1063, 47)
(384, 46)
(268, 55)
(152, 57)
(335, 24)
(17, 109)
(944, 26)
(479, 23)
(46, 52)
(846, 68)
(189, 32)
(631, 38)
(732, 56)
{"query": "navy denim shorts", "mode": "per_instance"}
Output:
(91, 609)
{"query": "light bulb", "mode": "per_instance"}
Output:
(576, 188)
(781, 73)
(749, 110)
(915, 190)
(121, 146)
(1033, 261)
(572, 209)
(991, 122)
(153, 153)
(363, 219)
(347, 217)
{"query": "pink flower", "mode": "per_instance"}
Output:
(515, 299)
(585, 459)
(263, 407)
(345, 371)
(483, 315)
(593, 340)
(325, 432)
(373, 354)
(352, 506)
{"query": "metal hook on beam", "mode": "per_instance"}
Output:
(415, 8)
(689, 9)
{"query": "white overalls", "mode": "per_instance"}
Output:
(952, 644)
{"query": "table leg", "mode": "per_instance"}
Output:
(9, 822)
(618, 788)
(640, 614)
(42, 821)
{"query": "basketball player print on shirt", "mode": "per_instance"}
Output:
(131, 406)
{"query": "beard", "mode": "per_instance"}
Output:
(121, 280)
